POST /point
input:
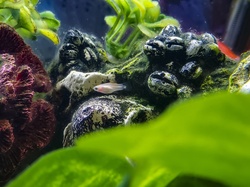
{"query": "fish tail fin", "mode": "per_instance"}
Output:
(227, 51)
(127, 86)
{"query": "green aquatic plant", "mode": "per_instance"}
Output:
(203, 137)
(23, 16)
(134, 19)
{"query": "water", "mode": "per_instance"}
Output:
(196, 15)
(216, 17)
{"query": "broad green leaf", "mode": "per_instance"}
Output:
(149, 3)
(5, 14)
(47, 14)
(110, 20)
(146, 31)
(162, 23)
(152, 177)
(34, 14)
(11, 4)
(26, 33)
(34, 2)
(7, 17)
(194, 181)
(153, 12)
(207, 137)
(52, 24)
(71, 167)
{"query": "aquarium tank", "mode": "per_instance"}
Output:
(124, 93)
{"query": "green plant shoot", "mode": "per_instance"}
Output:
(134, 19)
(29, 23)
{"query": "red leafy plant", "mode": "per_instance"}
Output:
(25, 125)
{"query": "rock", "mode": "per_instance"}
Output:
(105, 112)
(173, 65)
(81, 84)
(79, 51)
(241, 75)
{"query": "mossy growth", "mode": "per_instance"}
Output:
(23, 16)
(218, 79)
(135, 19)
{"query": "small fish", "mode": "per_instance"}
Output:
(227, 51)
(108, 88)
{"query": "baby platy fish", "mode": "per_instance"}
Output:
(108, 88)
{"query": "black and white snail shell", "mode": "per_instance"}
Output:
(163, 83)
(191, 70)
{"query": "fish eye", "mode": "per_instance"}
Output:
(95, 88)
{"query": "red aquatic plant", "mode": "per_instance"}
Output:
(25, 124)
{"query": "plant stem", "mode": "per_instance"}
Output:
(111, 31)
(118, 28)
(122, 32)
(133, 36)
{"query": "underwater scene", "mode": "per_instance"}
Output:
(124, 93)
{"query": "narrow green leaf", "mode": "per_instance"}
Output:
(114, 5)
(153, 12)
(142, 9)
(49, 34)
(146, 31)
(125, 8)
(26, 33)
(162, 23)
(25, 21)
(71, 167)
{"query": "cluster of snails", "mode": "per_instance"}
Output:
(181, 61)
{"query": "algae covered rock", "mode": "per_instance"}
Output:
(79, 51)
(173, 65)
(80, 84)
(105, 112)
(239, 80)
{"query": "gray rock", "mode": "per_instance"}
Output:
(105, 112)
